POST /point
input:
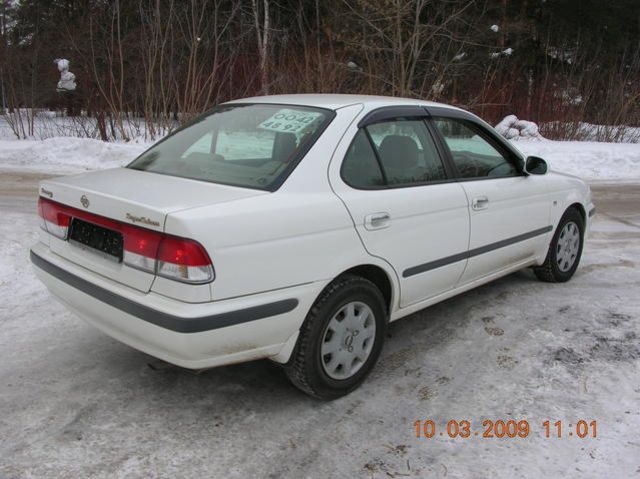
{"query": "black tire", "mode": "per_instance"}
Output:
(305, 369)
(550, 271)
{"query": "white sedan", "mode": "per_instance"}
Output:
(296, 227)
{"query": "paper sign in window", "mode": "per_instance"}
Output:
(289, 121)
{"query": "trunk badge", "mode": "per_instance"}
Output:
(142, 219)
(85, 201)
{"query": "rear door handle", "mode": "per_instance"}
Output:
(377, 221)
(480, 203)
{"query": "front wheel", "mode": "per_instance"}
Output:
(565, 249)
(340, 340)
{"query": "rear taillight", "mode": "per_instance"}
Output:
(168, 256)
(140, 247)
(54, 218)
(184, 260)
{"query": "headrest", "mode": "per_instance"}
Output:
(284, 146)
(398, 151)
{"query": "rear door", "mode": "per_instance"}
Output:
(509, 211)
(404, 205)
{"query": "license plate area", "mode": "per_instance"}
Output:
(97, 239)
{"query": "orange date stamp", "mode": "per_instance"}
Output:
(427, 429)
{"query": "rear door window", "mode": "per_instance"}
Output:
(392, 153)
(407, 152)
(360, 168)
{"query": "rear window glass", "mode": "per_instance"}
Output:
(253, 146)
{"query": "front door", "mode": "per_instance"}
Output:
(509, 211)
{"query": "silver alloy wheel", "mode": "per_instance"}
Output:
(568, 246)
(348, 340)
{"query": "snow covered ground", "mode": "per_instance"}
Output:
(75, 403)
(592, 161)
(63, 155)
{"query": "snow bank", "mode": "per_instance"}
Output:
(589, 160)
(513, 129)
(65, 154)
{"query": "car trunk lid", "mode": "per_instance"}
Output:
(130, 197)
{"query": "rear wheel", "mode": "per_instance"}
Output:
(565, 249)
(340, 340)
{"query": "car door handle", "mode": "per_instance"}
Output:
(480, 203)
(376, 221)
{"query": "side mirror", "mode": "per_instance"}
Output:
(534, 165)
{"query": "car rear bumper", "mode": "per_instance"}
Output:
(191, 335)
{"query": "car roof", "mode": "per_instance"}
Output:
(335, 101)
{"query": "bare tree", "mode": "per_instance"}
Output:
(262, 25)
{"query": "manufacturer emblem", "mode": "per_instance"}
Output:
(85, 201)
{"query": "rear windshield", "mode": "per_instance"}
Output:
(248, 145)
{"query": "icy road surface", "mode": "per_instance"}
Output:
(75, 403)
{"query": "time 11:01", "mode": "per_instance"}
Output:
(583, 429)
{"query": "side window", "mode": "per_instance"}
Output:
(407, 152)
(360, 168)
(473, 156)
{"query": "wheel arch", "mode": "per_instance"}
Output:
(575, 205)
(378, 276)
(581, 210)
(384, 278)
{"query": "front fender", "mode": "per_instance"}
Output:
(567, 190)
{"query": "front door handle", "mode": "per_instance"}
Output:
(480, 203)
(377, 221)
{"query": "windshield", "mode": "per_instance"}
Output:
(252, 145)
